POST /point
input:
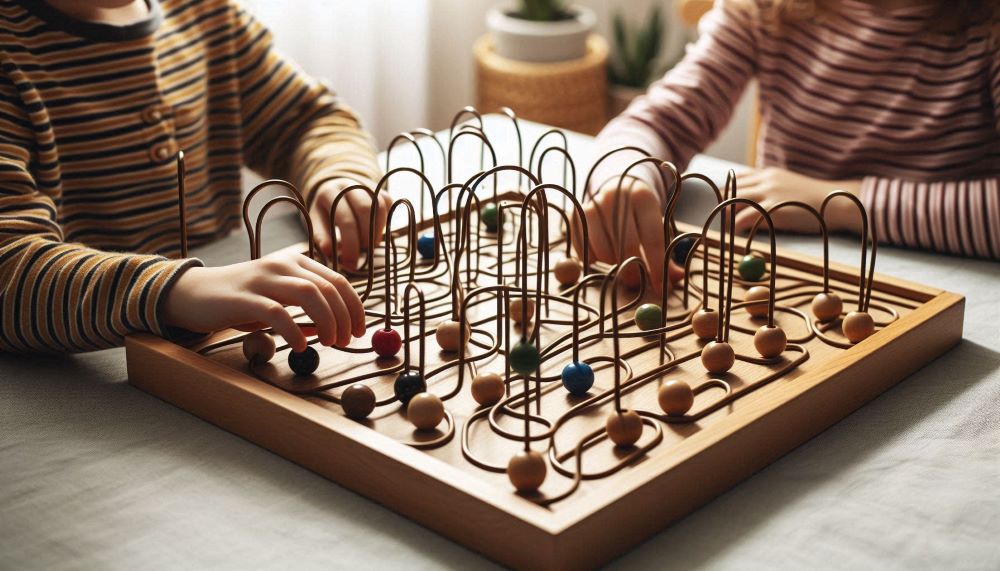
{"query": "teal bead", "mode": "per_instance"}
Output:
(752, 267)
(577, 378)
(524, 358)
(425, 245)
(407, 386)
(490, 215)
(649, 316)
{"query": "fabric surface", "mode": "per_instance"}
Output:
(95, 474)
(867, 93)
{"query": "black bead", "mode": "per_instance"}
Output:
(304, 363)
(407, 386)
(680, 252)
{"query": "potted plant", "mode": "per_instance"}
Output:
(633, 62)
(540, 30)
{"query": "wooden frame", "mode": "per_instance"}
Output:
(579, 532)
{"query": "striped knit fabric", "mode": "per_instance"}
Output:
(867, 94)
(91, 119)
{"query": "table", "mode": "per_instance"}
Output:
(97, 474)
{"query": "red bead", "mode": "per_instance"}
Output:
(386, 342)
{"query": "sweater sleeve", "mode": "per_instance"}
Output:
(57, 296)
(293, 126)
(959, 217)
(685, 111)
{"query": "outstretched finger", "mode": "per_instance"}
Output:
(349, 242)
(348, 296)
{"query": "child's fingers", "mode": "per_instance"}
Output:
(269, 311)
(649, 224)
(319, 214)
(382, 216)
(333, 300)
(347, 294)
(600, 245)
(745, 219)
(304, 293)
(350, 245)
(361, 206)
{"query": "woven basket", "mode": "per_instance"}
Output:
(571, 94)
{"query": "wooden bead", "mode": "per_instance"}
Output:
(567, 271)
(407, 386)
(827, 306)
(386, 342)
(425, 245)
(675, 397)
(757, 293)
(524, 358)
(770, 341)
(447, 335)
(718, 357)
(705, 323)
(752, 267)
(304, 363)
(680, 252)
(577, 378)
(425, 411)
(625, 428)
(488, 388)
(358, 401)
(258, 347)
(858, 326)
(526, 471)
(649, 316)
(490, 216)
(516, 309)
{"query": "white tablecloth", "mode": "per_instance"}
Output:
(97, 474)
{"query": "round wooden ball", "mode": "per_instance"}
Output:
(516, 309)
(567, 271)
(386, 342)
(258, 347)
(488, 388)
(490, 215)
(625, 428)
(675, 397)
(827, 306)
(705, 323)
(718, 357)
(752, 267)
(758, 294)
(425, 245)
(648, 316)
(577, 378)
(524, 358)
(526, 471)
(425, 411)
(407, 386)
(858, 326)
(770, 341)
(358, 401)
(447, 335)
(304, 363)
(680, 252)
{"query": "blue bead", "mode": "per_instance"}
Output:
(680, 251)
(577, 378)
(425, 245)
(407, 386)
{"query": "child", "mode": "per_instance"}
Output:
(896, 101)
(96, 100)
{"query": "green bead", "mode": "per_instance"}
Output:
(524, 358)
(649, 316)
(490, 215)
(752, 267)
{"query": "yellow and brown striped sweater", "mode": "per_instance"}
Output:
(91, 119)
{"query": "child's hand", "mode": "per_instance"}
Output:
(642, 234)
(351, 219)
(772, 185)
(208, 299)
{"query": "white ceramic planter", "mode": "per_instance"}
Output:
(526, 40)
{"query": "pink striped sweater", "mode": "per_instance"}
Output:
(868, 95)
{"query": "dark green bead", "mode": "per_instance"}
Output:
(649, 316)
(490, 215)
(407, 386)
(752, 267)
(304, 363)
(524, 358)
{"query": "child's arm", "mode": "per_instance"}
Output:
(297, 129)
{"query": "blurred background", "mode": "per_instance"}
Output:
(412, 63)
